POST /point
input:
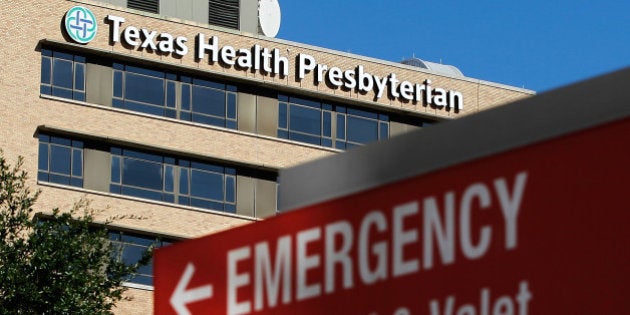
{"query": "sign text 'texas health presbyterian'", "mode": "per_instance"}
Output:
(271, 61)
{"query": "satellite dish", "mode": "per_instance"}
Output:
(269, 17)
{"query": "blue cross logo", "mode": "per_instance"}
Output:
(81, 25)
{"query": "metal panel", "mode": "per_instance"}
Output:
(192, 10)
(96, 170)
(266, 195)
(249, 16)
(98, 84)
(246, 112)
(245, 195)
(120, 3)
(224, 13)
(528, 121)
(152, 6)
(398, 128)
(267, 116)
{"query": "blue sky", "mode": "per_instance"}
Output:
(539, 45)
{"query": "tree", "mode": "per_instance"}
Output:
(56, 264)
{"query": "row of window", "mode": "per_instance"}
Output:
(174, 96)
(129, 247)
(181, 181)
(143, 174)
(329, 125)
(208, 102)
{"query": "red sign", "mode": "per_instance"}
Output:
(542, 229)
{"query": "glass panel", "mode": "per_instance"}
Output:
(137, 239)
(59, 140)
(62, 73)
(114, 189)
(168, 197)
(45, 89)
(77, 144)
(61, 92)
(208, 101)
(230, 124)
(305, 119)
(206, 185)
(45, 70)
(144, 89)
(185, 96)
(327, 124)
(115, 169)
(76, 182)
(207, 167)
(316, 140)
(143, 155)
(60, 159)
(43, 157)
(362, 130)
(383, 130)
(362, 113)
(183, 181)
(77, 163)
(183, 201)
(79, 76)
(169, 174)
(142, 174)
(327, 142)
(132, 254)
(118, 84)
(170, 94)
(341, 126)
(209, 84)
(141, 193)
(62, 55)
(230, 189)
(231, 105)
(146, 72)
(282, 116)
(59, 179)
(79, 96)
(200, 203)
(208, 120)
(305, 102)
(144, 108)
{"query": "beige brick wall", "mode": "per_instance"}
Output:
(23, 111)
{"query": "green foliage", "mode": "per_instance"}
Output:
(57, 264)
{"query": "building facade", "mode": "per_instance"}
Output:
(183, 114)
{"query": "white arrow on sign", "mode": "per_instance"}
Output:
(181, 296)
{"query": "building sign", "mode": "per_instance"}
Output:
(81, 27)
(539, 228)
(80, 24)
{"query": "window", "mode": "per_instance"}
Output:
(60, 160)
(152, 6)
(200, 100)
(129, 247)
(144, 174)
(181, 181)
(175, 96)
(329, 125)
(63, 75)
